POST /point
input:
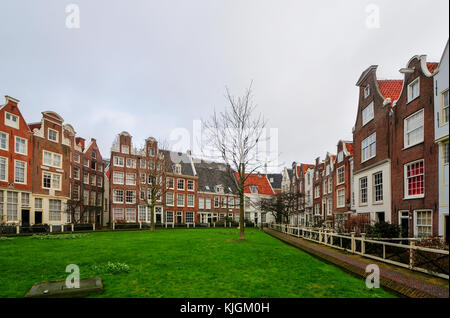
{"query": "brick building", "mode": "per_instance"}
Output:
(342, 192)
(414, 169)
(372, 145)
(86, 180)
(16, 149)
(51, 170)
(216, 192)
(181, 202)
(318, 212)
(327, 189)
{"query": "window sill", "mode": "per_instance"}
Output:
(378, 203)
(364, 205)
(414, 197)
(368, 159)
(410, 146)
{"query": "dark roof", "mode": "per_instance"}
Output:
(289, 173)
(211, 174)
(275, 180)
(172, 157)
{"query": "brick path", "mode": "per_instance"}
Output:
(400, 280)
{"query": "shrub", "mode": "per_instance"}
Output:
(111, 268)
(358, 223)
(58, 236)
(383, 230)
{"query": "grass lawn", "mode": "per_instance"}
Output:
(179, 263)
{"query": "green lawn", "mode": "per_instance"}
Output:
(179, 263)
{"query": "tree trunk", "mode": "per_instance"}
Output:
(241, 216)
(152, 218)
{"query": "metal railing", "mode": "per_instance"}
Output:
(417, 258)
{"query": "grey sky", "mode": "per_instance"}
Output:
(148, 67)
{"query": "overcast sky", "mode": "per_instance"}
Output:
(149, 67)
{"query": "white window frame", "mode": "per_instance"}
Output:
(125, 149)
(6, 168)
(444, 108)
(416, 231)
(361, 203)
(406, 133)
(374, 187)
(52, 155)
(179, 203)
(370, 154)
(340, 193)
(367, 91)
(368, 114)
(24, 172)
(118, 175)
(51, 181)
(410, 90)
(192, 197)
(405, 180)
(57, 135)
(25, 152)
(338, 175)
(114, 195)
(6, 141)
(170, 195)
(117, 160)
(10, 122)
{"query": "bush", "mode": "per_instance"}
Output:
(111, 268)
(383, 230)
(58, 236)
(358, 223)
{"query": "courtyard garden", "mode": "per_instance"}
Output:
(176, 263)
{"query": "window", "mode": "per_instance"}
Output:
(363, 190)
(3, 169)
(52, 159)
(224, 202)
(118, 177)
(424, 223)
(367, 114)
(131, 215)
(340, 175)
(99, 181)
(151, 151)
(330, 185)
(131, 179)
(12, 201)
(216, 202)
(92, 198)
(20, 171)
(21, 146)
(189, 217)
(444, 108)
(169, 183)
(327, 169)
(190, 200)
(413, 127)
(93, 164)
(11, 120)
(93, 180)
(141, 213)
(366, 91)
(38, 203)
(208, 204)
(413, 90)
(51, 181)
(169, 216)
(325, 187)
(76, 173)
(117, 196)
(76, 192)
(55, 210)
(201, 203)
(254, 189)
(86, 162)
(4, 141)
(378, 186)
(340, 156)
(330, 206)
(143, 164)
(230, 203)
(180, 200)
(130, 197)
(445, 153)
(99, 199)
(52, 135)
(85, 197)
(316, 192)
(118, 213)
(177, 169)
(317, 209)
(169, 199)
(142, 194)
(143, 178)
(180, 184)
(118, 161)
(76, 158)
(414, 179)
(369, 148)
(125, 149)
(341, 198)
(190, 185)
(131, 163)
(85, 178)
(150, 179)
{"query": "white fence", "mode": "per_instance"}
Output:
(418, 258)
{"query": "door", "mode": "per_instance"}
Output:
(25, 217)
(158, 218)
(404, 224)
(37, 217)
(209, 218)
(179, 217)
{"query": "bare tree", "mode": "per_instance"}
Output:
(234, 134)
(281, 206)
(155, 178)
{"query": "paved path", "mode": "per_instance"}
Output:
(400, 280)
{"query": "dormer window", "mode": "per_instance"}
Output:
(151, 152)
(271, 180)
(254, 189)
(218, 189)
(125, 149)
(177, 169)
(413, 90)
(367, 114)
(94, 155)
(340, 157)
(52, 135)
(366, 91)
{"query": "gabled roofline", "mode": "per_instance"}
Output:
(365, 73)
(442, 57)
